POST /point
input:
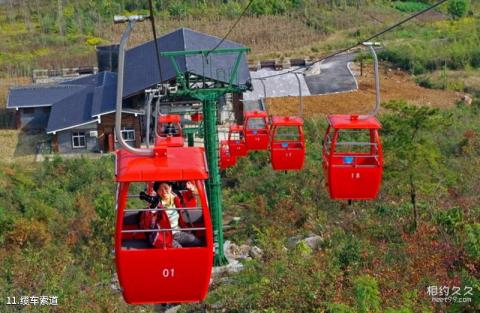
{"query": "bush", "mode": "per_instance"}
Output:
(178, 9)
(93, 41)
(349, 252)
(367, 295)
(472, 241)
(458, 8)
(409, 6)
(450, 220)
(424, 81)
(28, 233)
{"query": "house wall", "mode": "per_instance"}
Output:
(64, 142)
(33, 118)
(107, 126)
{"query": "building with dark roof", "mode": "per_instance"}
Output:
(79, 113)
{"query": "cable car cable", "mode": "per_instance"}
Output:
(388, 29)
(152, 20)
(231, 28)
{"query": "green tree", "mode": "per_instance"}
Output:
(412, 157)
(458, 8)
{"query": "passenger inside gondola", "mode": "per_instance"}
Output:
(184, 214)
(170, 130)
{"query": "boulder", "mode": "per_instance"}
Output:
(467, 100)
(236, 252)
(255, 252)
(312, 241)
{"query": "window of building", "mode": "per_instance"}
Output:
(128, 134)
(78, 140)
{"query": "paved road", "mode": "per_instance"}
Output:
(277, 86)
(335, 76)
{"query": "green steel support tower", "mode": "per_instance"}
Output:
(209, 92)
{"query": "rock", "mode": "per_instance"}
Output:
(255, 252)
(235, 252)
(216, 306)
(313, 70)
(167, 308)
(225, 280)
(231, 220)
(173, 309)
(233, 266)
(313, 242)
(114, 284)
(467, 99)
(293, 241)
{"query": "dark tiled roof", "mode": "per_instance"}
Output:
(99, 79)
(72, 111)
(80, 100)
(141, 70)
(104, 99)
(39, 95)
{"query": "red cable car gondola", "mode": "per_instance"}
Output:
(352, 157)
(149, 274)
(287, 143)
(196, 117)
(236, 141)
(169, 131)
(227, 159)
(257, 130)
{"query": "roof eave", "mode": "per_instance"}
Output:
(70, 127)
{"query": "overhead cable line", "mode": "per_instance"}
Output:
(365, 40)
(152, 19)
(231, 28)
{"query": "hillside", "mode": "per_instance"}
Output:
(56, 227)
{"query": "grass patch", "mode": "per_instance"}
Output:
(409, 6)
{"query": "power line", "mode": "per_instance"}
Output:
(152, 19)
(365, 40)
(231, 28)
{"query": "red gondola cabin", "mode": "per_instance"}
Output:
(257, 130)
(169, 131)
(165, 274)
(352, 157)
(287, 143)
(197, 117)
(236, 141)
(226, 158)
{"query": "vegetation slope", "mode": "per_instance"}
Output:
(57, 224)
